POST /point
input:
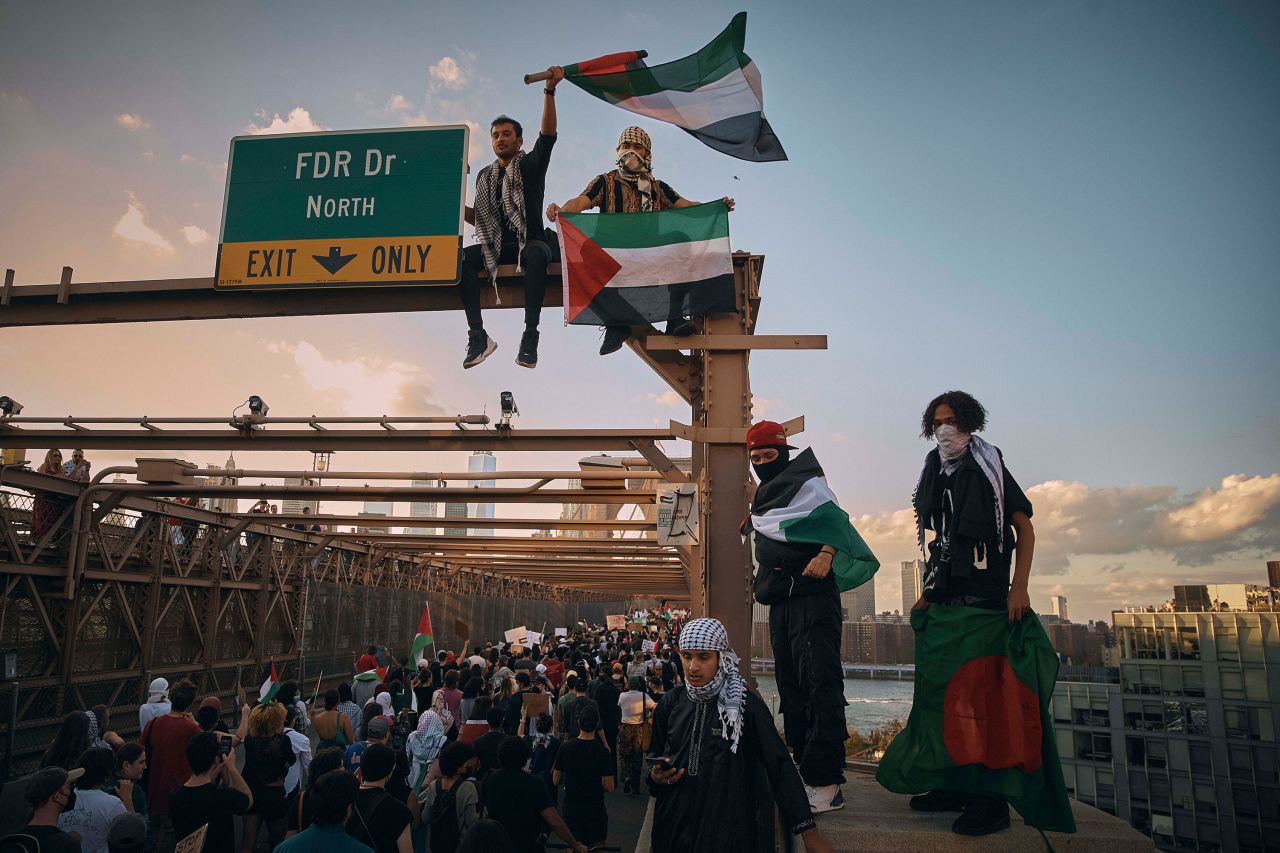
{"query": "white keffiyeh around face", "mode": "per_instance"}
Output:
(952, 444)
(727, 687)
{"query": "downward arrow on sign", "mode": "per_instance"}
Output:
(334, 261)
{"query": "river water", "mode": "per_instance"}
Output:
(872, 702)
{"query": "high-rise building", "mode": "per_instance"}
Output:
(1058, 607)
(1180, 741)
(296, 506)
(911, 589)
(858, 602)
(214, 478)
(1273, 574)
(1196, 598)
(423, 509)
(481, 461)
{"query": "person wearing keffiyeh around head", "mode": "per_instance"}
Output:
(979, 517)
(713, 741)
(508, 220)
(631, 188)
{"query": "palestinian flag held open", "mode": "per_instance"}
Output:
(376, 674)
(980, 716)
(715, 94)
(799, 506)
(270, 683)
(423, 638)
(637, 268)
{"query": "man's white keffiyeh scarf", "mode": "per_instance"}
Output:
(728, 687)
(489, 217)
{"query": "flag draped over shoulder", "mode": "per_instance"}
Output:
(270, 683)
(636, 268)
(799, 506)
(423, 638)
(375, 674)
(980, 716)
(716, 94)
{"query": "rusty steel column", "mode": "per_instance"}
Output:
(725, 403)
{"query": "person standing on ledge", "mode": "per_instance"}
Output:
(509, 230)
(805, 552)
(979, 516)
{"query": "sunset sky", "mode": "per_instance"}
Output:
(1070, 210)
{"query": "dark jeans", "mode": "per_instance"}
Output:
(805, 633)
(537, 255)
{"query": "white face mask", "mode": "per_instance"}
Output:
(952, 443)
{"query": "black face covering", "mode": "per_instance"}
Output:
(71, 801)
(769, 470)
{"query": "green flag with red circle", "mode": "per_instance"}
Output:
(980, 718)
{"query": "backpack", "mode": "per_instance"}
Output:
(23, 842)
(445, 832)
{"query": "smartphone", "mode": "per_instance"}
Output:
(224, 745)
(662, 762)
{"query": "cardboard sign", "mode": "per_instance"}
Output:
(534, 638)
(515, 635)
(562, 632)
(194, 842)
(615, 622)
(536, 703)
(637, 627)
(647, 646)
(462, 629)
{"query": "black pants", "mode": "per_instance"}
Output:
(537, 255)
(805, 633)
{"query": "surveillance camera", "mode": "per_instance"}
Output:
(258, 406)
(10, 407)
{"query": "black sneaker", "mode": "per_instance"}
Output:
(680, 327)
(614, 338)
(984, 816)
(528, 355)
(479, 347)
(940, 801)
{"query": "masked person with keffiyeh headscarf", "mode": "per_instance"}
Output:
(424, 745)
(508, 220)
(632, 188)
(973, 505)
(718, 740)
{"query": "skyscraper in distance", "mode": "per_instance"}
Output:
(911, 589)
(1058, 607)
(481, 461)
(423, 509)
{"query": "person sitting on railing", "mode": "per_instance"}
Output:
(46, 508)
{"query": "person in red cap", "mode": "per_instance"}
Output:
(796, 581)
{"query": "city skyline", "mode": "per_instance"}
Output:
(1103, 222)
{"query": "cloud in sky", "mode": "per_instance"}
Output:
(447, 73)
(195, 235)
(132, 121)
(666, 398)
(132, 227)
(364, 384)
(298, 121)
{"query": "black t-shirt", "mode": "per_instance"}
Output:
(382, 815)
(533, 170)
(192, 808)
(51, 839)
(584, 764)
(516, 800)
(486, 747)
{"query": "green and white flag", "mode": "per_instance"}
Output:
(372, 674)
(270, 683)
(799, 506)
(638, 268)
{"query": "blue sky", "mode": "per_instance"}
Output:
(1068, 209)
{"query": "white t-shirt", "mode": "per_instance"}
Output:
(91, 818)
(477, 660)
(149, 711)
(302, 751)
(633, 704)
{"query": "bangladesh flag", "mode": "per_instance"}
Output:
(980, 716)
(715, 94)
(270, 683)
(639, 268)
(423, 638)
(799, 506)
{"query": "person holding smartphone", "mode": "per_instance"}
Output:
(202, 801)
(711, 737)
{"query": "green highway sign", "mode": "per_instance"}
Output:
(343, 208)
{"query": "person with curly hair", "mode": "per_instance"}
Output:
(268, 754)
(980, 519)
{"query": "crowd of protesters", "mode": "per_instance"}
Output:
(496, 747)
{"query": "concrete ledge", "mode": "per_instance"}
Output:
(877, 821)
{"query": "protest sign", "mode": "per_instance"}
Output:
(615, 622)
(462, 629)
(534, 638)
(194, 842)
(647, 646)
(515, 635)
(562, 632)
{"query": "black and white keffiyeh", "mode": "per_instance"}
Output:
(728, 687)
(952, 445)
(489, 217)
(638, 170)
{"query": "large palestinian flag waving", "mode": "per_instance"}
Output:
(423, 638)
(715, 94)
(636, 268)
(799, 506)
(980, 716)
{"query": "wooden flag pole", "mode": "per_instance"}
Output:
(537, 76)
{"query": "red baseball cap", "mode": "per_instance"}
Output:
(767, 434)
